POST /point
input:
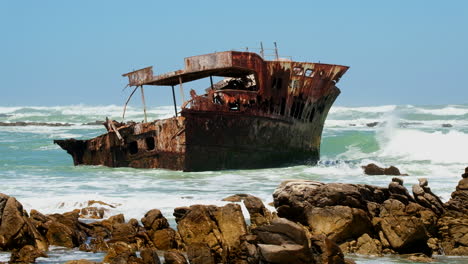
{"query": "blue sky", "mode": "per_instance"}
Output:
(74, 52)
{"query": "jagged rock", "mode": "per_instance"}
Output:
(92, 212)
(64, 229)
(199, 253)
(162, 236)
(326, 251)
(404, 232)
(283, 241)
(424, 196)
(174, 257)
(16, 229)
(372, 124)
(339, 223)
(453, 225)
(366, 245)
(217, 227)
(149, 256)
(373, 169)
(419, 257)
(259, 214)
(27, 254)
(120, 252)
(399, 192)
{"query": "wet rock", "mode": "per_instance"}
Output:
(283, 241)
(399, 192)
(373, 124)
(326, 251)
(174, 257)
(92, 212)
(373, 169)
(447, 125)
(405, 232)
(64, 229)
(27, 254)
(259, 214)
(120, 252)
(366, 245)
(162, 236)
(219, 228)
(339, 223)
(424, 196)
(236, 197)
(149, 256)
(419, 257)
(16, 229)
(94, 202)
(95, 123)
(453, 225)
(199, 253)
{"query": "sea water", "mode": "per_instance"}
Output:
(423, 141)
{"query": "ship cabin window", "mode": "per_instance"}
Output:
(298, 70)
(133, 147)
(149, 143)
(309, 72)
(321, 72)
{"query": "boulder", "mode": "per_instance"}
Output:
(339, 223)
(16, 229)
(424, 196)
(162, 236)
(259, 214)
(120, 252)
(373, 169)
(27, 254)
(326, 251)
(92, 212)
(149, 256)
(404, 231)
(81, 261)
(219, 228)
(174, 257)
(366, 245)
(63, 229)
(199, 253)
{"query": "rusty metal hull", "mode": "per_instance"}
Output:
(206, 140)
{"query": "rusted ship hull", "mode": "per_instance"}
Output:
(263, 114)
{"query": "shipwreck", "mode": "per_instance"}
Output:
(264, 113)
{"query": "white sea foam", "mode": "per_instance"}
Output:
(448, 110)
(363, 109)
(416, 145)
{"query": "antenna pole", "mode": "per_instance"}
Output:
(144, 103)
(261, 50)
(276, 51)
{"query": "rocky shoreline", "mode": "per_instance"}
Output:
(314, 223)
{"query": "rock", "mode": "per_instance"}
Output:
(283, 241)
(293, 199)
(373, 169)
(64, 229)
(16, 229)
(219, 228)
(339, 223)
(199, 253)
(120, 252)
(458, 203)
(162, 236)
(368, 246)
(419, 257)
(447, 125)
(27, 254)
(236, 197)
(424, 196)
(149, 256)
(154, 220)
(174, 257)
(92, 212)
(404, 232)
(326, 251)
(373, 124)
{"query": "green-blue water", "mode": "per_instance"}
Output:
(41, 175)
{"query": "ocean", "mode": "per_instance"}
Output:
(423, 141)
